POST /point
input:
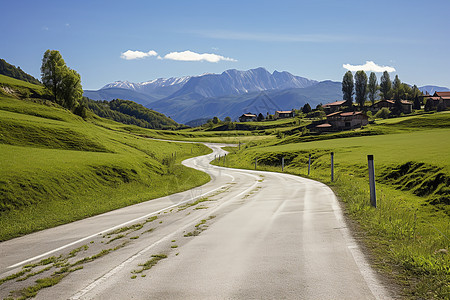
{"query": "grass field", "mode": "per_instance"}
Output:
(57, 167)
(408, 234)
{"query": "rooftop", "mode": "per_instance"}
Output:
(336, 103)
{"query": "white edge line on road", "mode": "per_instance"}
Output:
(112, 228)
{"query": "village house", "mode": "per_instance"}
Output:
(281, 114)
(248, 117)
(442, 98)
(344, 121)
(333, 107)
(406, 106)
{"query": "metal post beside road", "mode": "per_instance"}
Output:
(373, 197)
(309, 164)
(332, 166)
(282, 164)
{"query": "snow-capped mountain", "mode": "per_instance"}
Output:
(234, 82)
(157, 88)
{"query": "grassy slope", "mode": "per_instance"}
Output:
(405, 233)
(56, 167)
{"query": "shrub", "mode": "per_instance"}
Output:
(383, 113)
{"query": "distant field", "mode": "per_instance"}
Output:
(56, 167)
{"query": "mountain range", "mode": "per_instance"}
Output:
(231, 93)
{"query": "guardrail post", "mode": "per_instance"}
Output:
(309, 164)
(256, 163)
(373, 196)
(332, 166)
(282, 164)
(239, 145)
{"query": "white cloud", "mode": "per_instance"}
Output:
(368, 66)
(192, 56)
(130, 54)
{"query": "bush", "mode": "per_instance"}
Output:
(383, 113)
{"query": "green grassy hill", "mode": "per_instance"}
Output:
(57, 167)
(408, 234)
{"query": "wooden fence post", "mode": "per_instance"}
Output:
(373, 197)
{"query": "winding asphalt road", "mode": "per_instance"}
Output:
(265, 236)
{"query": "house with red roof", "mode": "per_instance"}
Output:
(333, 106)
(281, 114)
(344, 121)
(248, 117)
(390, 104)
(440, 98)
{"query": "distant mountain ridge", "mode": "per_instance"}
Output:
(430, 89)
(186, 109)
(230, 82)
(234, 82)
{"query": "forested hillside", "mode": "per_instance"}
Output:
(129, 112)
(16, 72)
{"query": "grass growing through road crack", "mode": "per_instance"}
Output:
(150, 263)
(62, 266)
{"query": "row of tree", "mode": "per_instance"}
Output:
(363, 87)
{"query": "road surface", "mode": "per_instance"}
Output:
(244, 235)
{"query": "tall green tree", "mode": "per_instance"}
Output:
(63, 82)
(372, 87)
(347, 88)
(360, 88)
(71, 90)
(397, 88)
(52, 69)
(385, 85)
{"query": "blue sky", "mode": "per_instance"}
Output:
(313, 39)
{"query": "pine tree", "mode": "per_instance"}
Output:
(385, 85)
(372, 87)
(347, 88)
(360, 88)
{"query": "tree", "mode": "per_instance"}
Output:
(227, 119)
(306, 108)
(429, 105)
(385, 85)
(397, 88)
(52, 70)
(347, 88)
(63, 82)
(372, 87)
(416, 103)
(398, 107)
(260, 117)
(215, 120)
(71, 91)
(360, 88)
